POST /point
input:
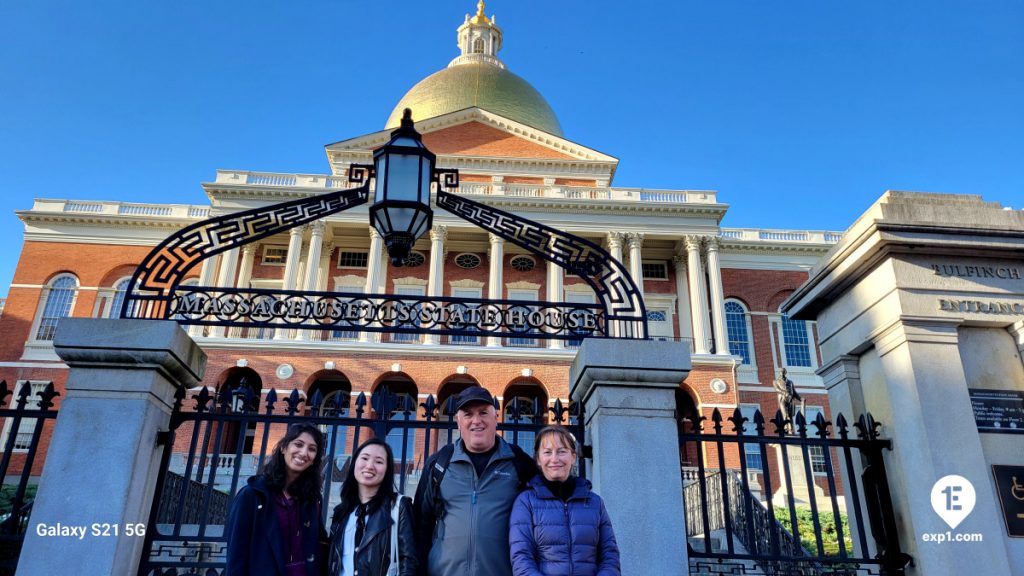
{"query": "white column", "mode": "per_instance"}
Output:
(555, 295)
(683, 312)
(316, 244)
(206, 276)
(435, 279)
(373, 276)
(494, 281)
(717, 298)
(635, 241)
(244, 276)
(291, 268)
(226, 278)
(615, 241)
(698, 295)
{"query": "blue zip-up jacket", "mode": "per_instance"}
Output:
(549, 537)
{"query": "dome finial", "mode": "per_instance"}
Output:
(480, 17)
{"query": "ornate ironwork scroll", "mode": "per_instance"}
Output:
(156, 291)
(611, 282)
(160, 274)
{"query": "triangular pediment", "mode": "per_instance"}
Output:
(479, 133)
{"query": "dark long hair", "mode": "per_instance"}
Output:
(307, 486)
(350, 488)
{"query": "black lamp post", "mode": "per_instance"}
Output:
(404, 169)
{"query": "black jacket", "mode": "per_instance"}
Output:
(374, 555)
(255, 542)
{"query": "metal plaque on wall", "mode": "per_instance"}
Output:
(1010, 487)
(998, 411)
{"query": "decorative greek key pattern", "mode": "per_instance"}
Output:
(609, 279)
(161, 272)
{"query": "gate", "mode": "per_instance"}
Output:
(787, 504)
(216, 441)
(24, 426)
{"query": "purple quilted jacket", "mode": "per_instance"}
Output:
(549, 537)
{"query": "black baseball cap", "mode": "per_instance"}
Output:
(473, 394)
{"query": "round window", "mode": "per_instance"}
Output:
(467, 260)
(415, 259)
(522, 263)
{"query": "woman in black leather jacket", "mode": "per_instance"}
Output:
(361, 528)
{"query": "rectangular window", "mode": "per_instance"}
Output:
(797, 345)
(274, 255)
(409, 291)
(578, 298)
(27, 426)
(658, 324)
(464, 293)
(353, 259)
(817, 453)
(346, 334)
(752, 451)
(529, 295)
(655, 270)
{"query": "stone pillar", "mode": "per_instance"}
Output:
(291, 268)
(717, 299)
(555, 277)
(244, 276)
(435, 279)
(698, 295)
(923, 403)
(683, 312)
(103, 460)
(206, 275)
(373, 276)
(845, 396)
(494, 280)
(1017, 331)
(636, 270)
(628, 392)
(226, 279)
(316, 245)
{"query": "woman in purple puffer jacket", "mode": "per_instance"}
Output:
(558, 526)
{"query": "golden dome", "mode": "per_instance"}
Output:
(482, 85)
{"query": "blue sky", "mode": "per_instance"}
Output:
(799, 113)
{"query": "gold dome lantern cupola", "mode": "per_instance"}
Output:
(479, 39)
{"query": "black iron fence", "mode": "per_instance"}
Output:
(787, 503)
(24, 424)
(216, 441)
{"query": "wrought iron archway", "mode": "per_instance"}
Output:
(157, 292)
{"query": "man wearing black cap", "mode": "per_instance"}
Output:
(465, 497)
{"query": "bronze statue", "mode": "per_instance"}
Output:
(786, 390)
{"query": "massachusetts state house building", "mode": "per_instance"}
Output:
(717, 288)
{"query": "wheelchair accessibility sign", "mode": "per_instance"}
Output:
(1010, 487)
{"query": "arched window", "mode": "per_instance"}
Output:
(478, 46)
(737, 324)
(796, 344)
(117, 300)
(336, 392)
(58, 298)
(525, 402)
(401, 392)
(446, 411)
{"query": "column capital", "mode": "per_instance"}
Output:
(318, 227)
(374, 234)
(249, 249)
(693, 242)
(680, 260)
(616, 239)
(495, 239)
(712, 243)
(439, 233)
(635, 240)
(297, 231)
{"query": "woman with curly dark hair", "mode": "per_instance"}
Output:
(372, 530)
(274, 525)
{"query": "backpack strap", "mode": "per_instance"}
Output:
(440, 466)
